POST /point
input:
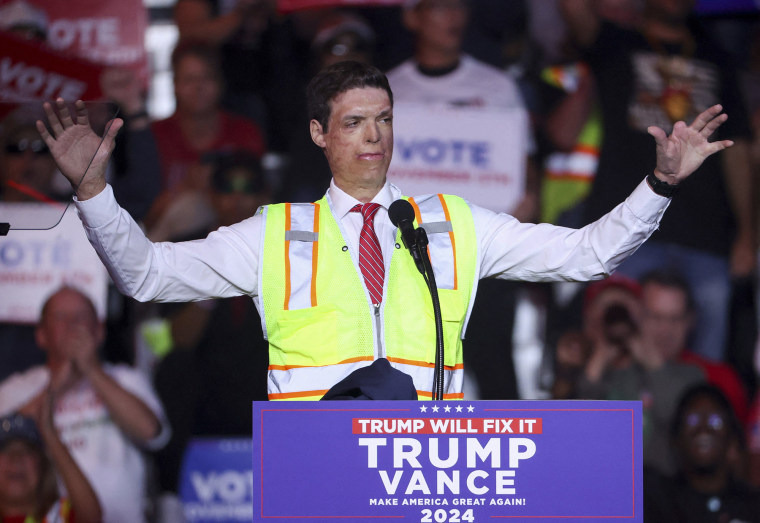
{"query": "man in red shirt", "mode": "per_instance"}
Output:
(667, 320)
(199, 131)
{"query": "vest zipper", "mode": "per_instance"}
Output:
(380, 351)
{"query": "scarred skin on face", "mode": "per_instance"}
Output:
(358, 141)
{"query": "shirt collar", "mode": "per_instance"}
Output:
(342, 202)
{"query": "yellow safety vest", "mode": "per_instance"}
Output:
(568, 174)
(317, 314)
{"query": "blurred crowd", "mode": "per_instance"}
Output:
(675, 328)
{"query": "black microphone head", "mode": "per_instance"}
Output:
(399, 211)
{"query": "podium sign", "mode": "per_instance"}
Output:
(447, 461)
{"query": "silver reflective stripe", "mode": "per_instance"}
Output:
(576, 163)
(441, 249)
(437, 227)
(305, 379)
(301, 236)
(453, 380)
(302, 379)
(300, 253)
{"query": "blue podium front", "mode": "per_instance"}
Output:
(447, 461)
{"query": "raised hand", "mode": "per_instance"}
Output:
(81, 345)
(681, 153)
(81, 155)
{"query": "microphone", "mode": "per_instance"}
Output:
(401, 215)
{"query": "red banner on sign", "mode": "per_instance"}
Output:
(31, 72)
(109, 33)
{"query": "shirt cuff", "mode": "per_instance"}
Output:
(99, 210)
(647, 205)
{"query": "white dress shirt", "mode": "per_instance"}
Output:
(226, 263)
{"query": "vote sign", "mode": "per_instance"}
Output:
(216, 480)
(108, 33)
(478, 154)
(36, 263)
(447, 461)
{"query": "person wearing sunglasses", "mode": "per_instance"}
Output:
(26, 167)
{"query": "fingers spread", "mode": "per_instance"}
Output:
(719, 146)
(713, 124)
(52, 117)
(49, 140)
(113, 126)
(706, 116)
(82, 117)
(63, 110)
(659, 135)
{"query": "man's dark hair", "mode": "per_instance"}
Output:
(339, 78)
(200, 50)
(670, 280)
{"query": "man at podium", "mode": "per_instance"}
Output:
(335, 290)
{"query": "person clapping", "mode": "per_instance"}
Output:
(31, 457)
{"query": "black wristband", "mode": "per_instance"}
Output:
(662, 188)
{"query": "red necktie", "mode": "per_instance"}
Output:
(370, 254)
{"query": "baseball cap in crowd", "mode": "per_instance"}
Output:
(615, 281)
(238, 172)
(343, 35)
(22, 17)
(17, 427)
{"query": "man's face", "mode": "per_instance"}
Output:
(439, 24)
(705, 438)
(358, 142)
(666, 320)
(196, 86)
(66, 313)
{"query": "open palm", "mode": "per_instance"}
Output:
(81, 155)
(681, 153)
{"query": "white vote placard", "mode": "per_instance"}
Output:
(34, 263)
(476, 153)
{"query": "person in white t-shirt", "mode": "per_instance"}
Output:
(440, 74)
(106, 414)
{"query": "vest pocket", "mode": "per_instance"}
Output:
(453, 310)
(306, 337)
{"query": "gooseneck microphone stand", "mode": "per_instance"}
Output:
(401, 215)
(421, 244)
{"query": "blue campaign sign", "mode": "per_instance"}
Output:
(216, 480)
(717, 7)
(447, 461)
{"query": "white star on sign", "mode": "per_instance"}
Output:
(423, 409)
(435, 408)
(470, 409)
(447, 408)
(459, 408)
